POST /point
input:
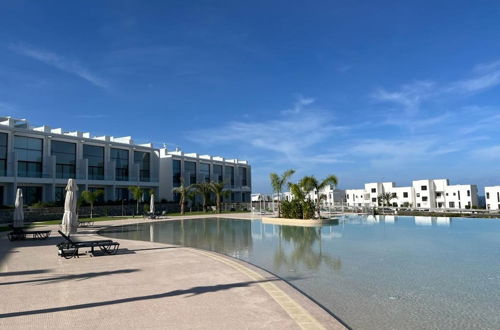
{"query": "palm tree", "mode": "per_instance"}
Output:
(191, 196)
(219, 191)
(310, 183)
(204, 189)
(91, 197)
(277, 182)
(386, 198)
(182, 191)
(136, 192)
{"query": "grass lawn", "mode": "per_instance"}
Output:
(58, 221)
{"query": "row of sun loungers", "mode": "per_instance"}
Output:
(20, 234)
(70, 248)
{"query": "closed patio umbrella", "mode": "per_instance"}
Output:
(70, 218)
(18, 212)
(152, 204)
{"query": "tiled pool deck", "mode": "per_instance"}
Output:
(146, 285)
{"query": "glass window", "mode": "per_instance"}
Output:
(229, 176)
(176, 172)
(405, 195)
(65, 154)
(424, 199)
(60, 194)
(190, 172)
(468, 192)
(121, 194)
(29, 156)
(3, 154)
(243, 176)
(31, 195)
(143, 160)
(204, 172)
(487, 195)
(95, 156)
(120, 157)
(374, 190)
(218, 173)
(423, 188)
(374, 199)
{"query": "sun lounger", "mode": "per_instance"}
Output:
(69, 248)
(20, 234)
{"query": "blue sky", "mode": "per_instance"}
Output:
(366, 90)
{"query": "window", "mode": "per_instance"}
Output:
(29, 156)
(204, 172)
(374, 190)
(405, 195)
(374, 200)
(347, 196)
(31, 195)
(190, 173)
(143, 160)
(487, 195)
(468, 192)
(218, 173)
(121, 194)
(423, 188)
(446, 194)
(120, 157)
(418, 204)
(454, 194)
(438, 194)
(65, 154)
(176, 172)
(452, 204)
(243, 176)
(394, 195)
(60, 194)
(95, 157)
(424, 199)
(229, 176)
(418, 194)
(3, 155)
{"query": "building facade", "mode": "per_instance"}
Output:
(193, 168)
(492, 196)
(429, 194)
(331, 196)
(40, 160)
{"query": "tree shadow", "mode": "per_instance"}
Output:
(194, 291)
(78, 277)
(25, 272)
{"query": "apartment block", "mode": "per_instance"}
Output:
(421, 194)
(492, 196)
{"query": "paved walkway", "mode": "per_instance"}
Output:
(146, 285)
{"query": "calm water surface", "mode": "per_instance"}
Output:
(372, 272)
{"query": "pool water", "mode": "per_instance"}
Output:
(371, 272)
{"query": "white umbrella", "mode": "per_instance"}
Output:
(70, 218)
(18, 212)
(152, 204)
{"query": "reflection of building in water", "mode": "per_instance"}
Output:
(443, 221)
(423, 221)
(429, 221)
(388, 218)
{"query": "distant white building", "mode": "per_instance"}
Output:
(492, 196)
(332, 196)
(421, 194)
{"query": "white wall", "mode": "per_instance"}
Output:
(492, 195)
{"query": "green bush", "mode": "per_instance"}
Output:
(296, 209)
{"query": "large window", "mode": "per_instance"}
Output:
(31, 195)
(176, 172)
(143, 159)
(60, 194)
(120, 157)
(95, 156)
(204, 172)
(218, 173)
(243, 176)
(65, 154)
(29, 156)
(229, 176)
(3, 155)
(190, 172)
(121, 194)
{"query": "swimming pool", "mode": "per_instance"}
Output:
(372, 272)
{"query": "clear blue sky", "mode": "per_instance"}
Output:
(366, 90)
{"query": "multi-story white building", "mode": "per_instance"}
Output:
(40, 160)
(235, 174)
(332, 196)
(421, 194)
(492, 196)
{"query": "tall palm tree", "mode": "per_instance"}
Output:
(311, 184)
(191, 196)
(91, 197)
(219, 191)
(204, 190)
(182, 191)
(386, 199)
(277, 182)
(137, 193)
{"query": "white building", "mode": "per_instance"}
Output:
(40, 160)
(492, 196)
(332, 196)
(421, 194)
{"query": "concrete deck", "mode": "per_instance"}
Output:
(146, 285)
